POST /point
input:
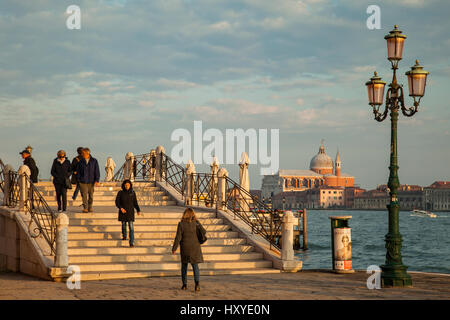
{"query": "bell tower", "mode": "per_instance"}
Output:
(337, 165)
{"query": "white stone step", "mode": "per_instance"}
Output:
(147, 215)
(139, 193)
(136, 184)
(140, 228)
(90, 276)
(149, 242)
(145, 258)
(153, 250)
(138, 266)
(138, 221)
(143, 235)
(96, 203)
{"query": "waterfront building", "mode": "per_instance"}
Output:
(349, 195)
(323, 172)
(323, 197)
(437, 196)
(410, 197)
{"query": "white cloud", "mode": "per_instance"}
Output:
(146, 104)
(176, 84)
(222, 26)
(300, 101)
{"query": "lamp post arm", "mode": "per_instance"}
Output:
(409, 111)
(380, 116)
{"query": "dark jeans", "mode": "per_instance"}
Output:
(75, 193)
(87, 193)
(184, 267)
(130, 228)
(61, 196)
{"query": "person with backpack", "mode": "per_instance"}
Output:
(126, 201)
(190, 235)
(61, 171)
(29, 161)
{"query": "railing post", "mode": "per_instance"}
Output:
(129, 166)
(287, 237)
(7, 185)
(190, 172)
(222, 175)
(110, 166)
(213, 183)
(244, 182)
(288, 263)
(61, 256)
(24, 172)
(159, 163)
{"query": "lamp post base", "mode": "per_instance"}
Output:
(395, 276)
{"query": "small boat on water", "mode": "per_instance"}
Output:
(424, 213)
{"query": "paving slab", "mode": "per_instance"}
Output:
(303, 285)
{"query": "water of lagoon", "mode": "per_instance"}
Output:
(426, 241)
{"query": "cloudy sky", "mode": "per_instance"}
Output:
(138, 69)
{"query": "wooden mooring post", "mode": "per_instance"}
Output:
(305, 231)
(301, 231)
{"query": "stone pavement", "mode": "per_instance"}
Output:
(315, 285)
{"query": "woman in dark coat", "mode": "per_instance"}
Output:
(190, 249)
(61, 171)
(126, 201)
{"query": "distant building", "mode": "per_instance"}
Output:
(320, 174)
(317, 198)
(437, 196)
(372, 199)
(349, 195)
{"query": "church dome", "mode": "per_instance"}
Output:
(321, 160)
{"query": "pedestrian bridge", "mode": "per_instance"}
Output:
(241, 239)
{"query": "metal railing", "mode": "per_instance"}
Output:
(255, 213)
(261, 218)
(142, 168)
(43, 218)
(173, 173)
(2, 176)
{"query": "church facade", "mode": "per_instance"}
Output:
(323, 172)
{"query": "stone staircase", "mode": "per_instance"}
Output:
(95, 242)
(148, 194)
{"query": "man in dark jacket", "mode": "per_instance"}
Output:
(88, 175)
(75, 162)
(29, 161)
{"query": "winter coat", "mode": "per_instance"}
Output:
(34, 171)
(75, 162)
(127, 199)
(88, 172)
(186, 237)
(61, 171)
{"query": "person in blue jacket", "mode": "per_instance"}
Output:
(88, 175)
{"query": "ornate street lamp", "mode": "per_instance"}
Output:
(393, 271)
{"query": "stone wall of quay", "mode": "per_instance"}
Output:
(18, 252)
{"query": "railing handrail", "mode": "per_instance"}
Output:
(40, 212)
(267, 224)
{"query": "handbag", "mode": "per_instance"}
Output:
(201, 234)
(68, 183)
